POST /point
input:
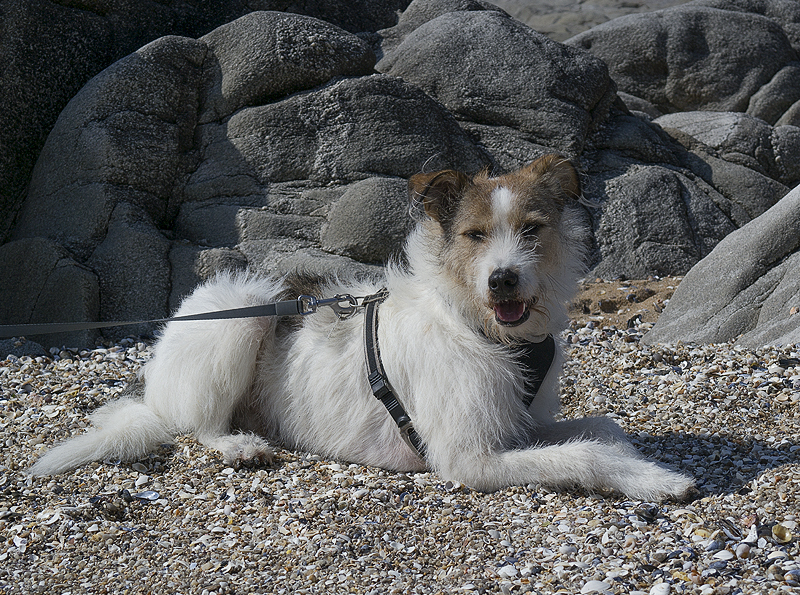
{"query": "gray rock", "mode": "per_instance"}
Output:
(51, 49)
(270, 144)
(690, 57)
(420, 12)
(299, 53)
(350, 130)
(509, 148)
(791, 117)
(772, 100)
(636, 138)
(21, 347)
(316, 263)
(748, 192)
(370, 221)
(356, 16)
(737, 137)
(191, 265)
(490, 69)
(126, 137)
(42, 68)
(41, 283)
(562, 19)
(133, 268)
(784, 12)
(655, 220)
(637, 104)
(745, 289)
(786, 146)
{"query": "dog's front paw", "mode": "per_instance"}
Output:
(655, 482)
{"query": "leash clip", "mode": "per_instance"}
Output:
(343, 305)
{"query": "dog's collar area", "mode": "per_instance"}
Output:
(536, 356)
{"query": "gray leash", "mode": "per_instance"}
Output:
(344, 305)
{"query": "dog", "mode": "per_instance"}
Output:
(489, 267)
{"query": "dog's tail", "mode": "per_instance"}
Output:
(125, 429)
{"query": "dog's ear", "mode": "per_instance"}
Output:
(437, 192)
(559, 169)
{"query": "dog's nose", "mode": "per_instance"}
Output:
(503, 281)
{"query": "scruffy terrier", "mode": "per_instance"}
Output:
(464, 324)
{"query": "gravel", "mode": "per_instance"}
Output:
(180, 521)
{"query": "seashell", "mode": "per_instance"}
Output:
(777, 555)
(731, 530)
(752, 535)
(595, 587)
(147, 495)
(647, 513)
(776, 571)
(743, 551)
(724, 555)
(718, 565)
(792, 577)
(659, 556)
(781, 534)
(507, 571)
(715, 546)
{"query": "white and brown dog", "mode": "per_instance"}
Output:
(489, 268)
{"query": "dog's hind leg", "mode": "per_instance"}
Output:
(202, 372)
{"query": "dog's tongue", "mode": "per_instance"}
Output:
(509, 311)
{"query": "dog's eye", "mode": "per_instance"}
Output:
(475, 235)
(531, 232)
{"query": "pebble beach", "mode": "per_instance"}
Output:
(181, 521)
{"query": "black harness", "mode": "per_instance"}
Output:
(536, 357)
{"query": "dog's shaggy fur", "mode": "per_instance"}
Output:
(492, 263)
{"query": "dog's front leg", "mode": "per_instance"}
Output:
(590, 464)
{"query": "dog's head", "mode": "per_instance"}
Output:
(504, 243)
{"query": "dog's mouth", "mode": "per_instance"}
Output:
(511, 312)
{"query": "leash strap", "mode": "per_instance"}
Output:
(286, 308)
(537, 358)
(377, 375)
(343, 305)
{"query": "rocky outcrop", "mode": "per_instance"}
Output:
(747, 289)
(50, 49)
(695, 56)
(281, 142)
(496, 72)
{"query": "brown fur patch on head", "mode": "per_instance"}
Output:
(438, 192)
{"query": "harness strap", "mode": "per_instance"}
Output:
(378, 381)
(537, 359)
